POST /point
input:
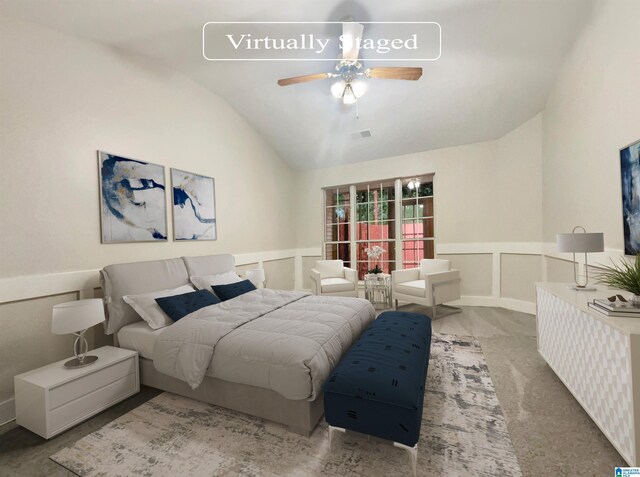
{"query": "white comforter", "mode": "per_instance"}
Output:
(292, 340)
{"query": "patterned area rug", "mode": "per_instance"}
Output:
(463, 434)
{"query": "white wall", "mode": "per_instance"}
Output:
(484, 192)
(592, 112)
(61, 99)
(487, 202)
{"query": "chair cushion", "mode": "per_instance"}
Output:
(333, 285)
(413, 288)
(433, 265)
(330, 268)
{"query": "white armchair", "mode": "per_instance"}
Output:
(432, 284)
(331, 277)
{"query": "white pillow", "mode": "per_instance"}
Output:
(330, 268)
(145, 305)
(207, 281)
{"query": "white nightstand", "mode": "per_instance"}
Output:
(53, 398)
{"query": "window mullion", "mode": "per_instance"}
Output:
(399, 221)
(352, 227)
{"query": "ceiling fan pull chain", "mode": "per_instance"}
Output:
(357, 110)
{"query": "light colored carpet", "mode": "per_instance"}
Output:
(463, 433)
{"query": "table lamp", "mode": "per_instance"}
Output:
(580, 243)
(256, 276)
(76, 317)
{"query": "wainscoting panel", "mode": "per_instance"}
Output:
(242, 269)
(519, 273)
(280, 274)
(308, 262)
(475, 272)
(26, 341)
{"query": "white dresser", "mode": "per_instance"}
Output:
(53, 398)
(597, 358)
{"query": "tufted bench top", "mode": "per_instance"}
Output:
(388, 363)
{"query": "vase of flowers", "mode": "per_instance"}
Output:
(625, 276)
(374, 253)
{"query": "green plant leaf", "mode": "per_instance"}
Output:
(625, 276)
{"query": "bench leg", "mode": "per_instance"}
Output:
(332, 429)
(413, 453)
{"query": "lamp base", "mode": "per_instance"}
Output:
(76, 363)
(579, 288)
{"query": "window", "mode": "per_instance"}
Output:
(396, 215)
(375, 225)
(417, 224)
(337, 220)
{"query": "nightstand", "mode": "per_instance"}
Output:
(51, 399)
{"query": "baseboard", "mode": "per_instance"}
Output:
(501, 302)
(7, 411)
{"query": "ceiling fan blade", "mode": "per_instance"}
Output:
(351, 31)
(401, 73)
(303, 79)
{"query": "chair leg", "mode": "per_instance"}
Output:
(413, 454)
(396, 304)
(332, 429)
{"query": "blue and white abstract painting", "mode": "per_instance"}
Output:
(194, 206)
(630, 170)
(132, 196)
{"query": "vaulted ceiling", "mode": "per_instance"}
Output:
(499, 60)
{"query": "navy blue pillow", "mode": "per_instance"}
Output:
(232, 290)
(179, 306)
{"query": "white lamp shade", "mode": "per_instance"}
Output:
(76, 316)
(580, 242)
(256, 276)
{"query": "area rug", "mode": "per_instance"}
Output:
(464, 433)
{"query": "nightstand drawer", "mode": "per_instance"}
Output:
(73, 390)
(75, 411)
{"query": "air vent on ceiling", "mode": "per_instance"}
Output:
(365, 133)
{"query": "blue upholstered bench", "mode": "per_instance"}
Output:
(378, 387)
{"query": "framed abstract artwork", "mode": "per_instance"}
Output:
(132, 200)
(630, 172)
(194, 206)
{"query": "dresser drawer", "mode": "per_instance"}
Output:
(72, 390)
(92, 403)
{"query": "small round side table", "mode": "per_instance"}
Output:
(377, 289)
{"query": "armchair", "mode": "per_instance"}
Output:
(431, 284)
(331, 277)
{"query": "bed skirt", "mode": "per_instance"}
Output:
(301, 417)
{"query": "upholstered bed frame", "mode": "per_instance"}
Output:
(142, 277)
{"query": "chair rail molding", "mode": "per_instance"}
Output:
(84, 282)
(29, 287)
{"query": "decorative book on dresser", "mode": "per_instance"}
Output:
(51, 399)
(597, 357)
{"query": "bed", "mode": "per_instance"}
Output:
(270, 362)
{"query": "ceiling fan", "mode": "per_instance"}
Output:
(349, 88)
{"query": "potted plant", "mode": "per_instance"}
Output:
(625, 276)
(374, 253)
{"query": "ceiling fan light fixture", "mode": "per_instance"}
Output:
(358, 88)
(413, 184)
(337, 89)
(349, 96)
